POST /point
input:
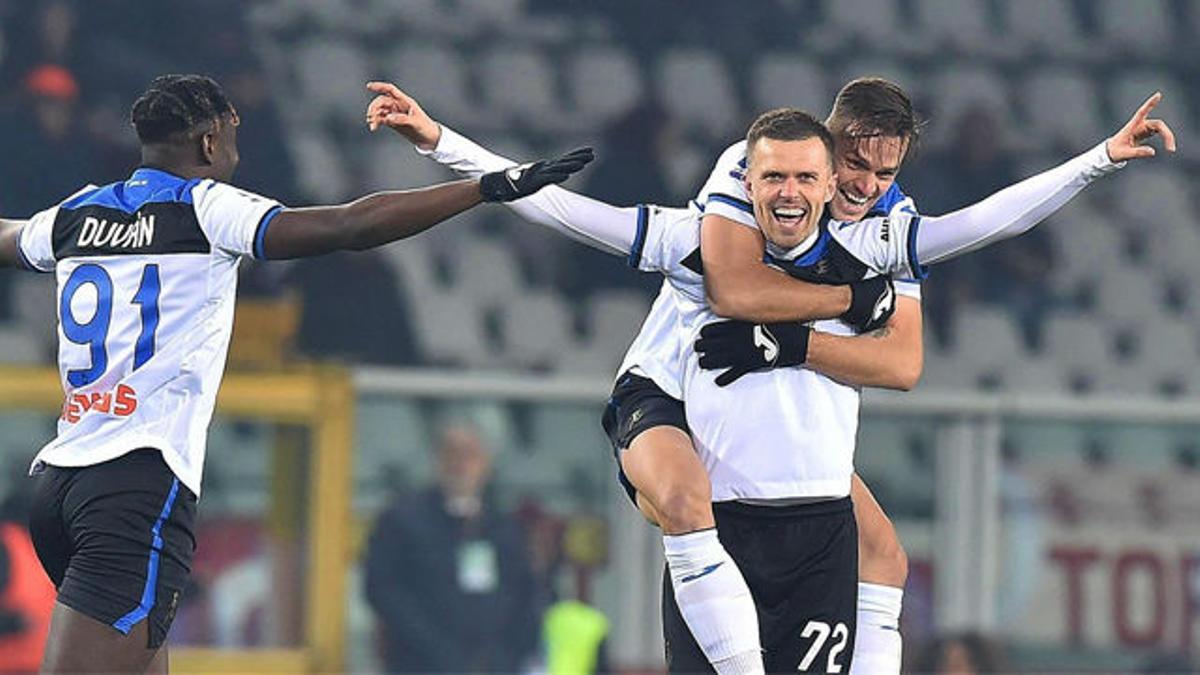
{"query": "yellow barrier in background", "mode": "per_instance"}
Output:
(320, 399)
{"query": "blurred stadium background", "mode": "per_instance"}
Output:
(1042, 476)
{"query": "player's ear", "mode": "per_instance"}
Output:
(830, 187)
(209, 141)
(208, 146)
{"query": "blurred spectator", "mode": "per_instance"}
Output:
(47, 155)
(26, 594)
(352, 308)
(266, 165)
(960, 654)
(448, 574)
(1013, 273)
(628, 171)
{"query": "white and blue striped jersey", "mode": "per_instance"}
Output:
(147, 274)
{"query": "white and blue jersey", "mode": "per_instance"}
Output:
(147, 274)
(794, 434)
(659, 350)
(784, 433)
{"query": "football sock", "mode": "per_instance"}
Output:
(877, 643)
(714, 600)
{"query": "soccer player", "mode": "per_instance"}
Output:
(147, 271)
(843, 259)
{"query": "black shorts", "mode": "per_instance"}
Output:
(801, 564)
(637, 404)
(117, 539)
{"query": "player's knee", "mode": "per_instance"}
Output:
(883, 560)
(684, 508)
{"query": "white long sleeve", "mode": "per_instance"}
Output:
(603, 226)
(1010, 211)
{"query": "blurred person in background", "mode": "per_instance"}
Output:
(47, 152)
(974, 165)
(26, 595)
(448, 573)
(960, 654)
(375, 328)
(630, 171)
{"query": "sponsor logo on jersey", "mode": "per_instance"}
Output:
(119, 402)
(885, 229)
(111, 234)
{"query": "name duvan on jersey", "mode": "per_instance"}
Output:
(97, 232)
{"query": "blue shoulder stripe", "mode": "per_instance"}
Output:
(639, 238)
(740, 204)
(918, 269)
(260, 233)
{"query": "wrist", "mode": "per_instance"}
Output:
(430, 139)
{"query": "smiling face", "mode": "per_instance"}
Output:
(866, 167)
(789, 182)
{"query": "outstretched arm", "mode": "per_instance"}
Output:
(603, 226)
(385, 217)
(368, 222)
(763, 294)
(1018, 208)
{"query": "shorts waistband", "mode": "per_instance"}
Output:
(759, 511)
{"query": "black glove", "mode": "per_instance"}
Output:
(743, 347)
(872, 303)
(526, 179)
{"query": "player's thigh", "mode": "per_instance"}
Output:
(657, 463)
(77, 643)
(881, 557)
(662, 465)
(801, 564)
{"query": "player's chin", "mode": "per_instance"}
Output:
(842, 209)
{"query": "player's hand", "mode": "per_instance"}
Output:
(401, 112)
(741, 347)
(526, 179)
(1130, 142)
(872, 303)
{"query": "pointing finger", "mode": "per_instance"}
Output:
(1144, 111)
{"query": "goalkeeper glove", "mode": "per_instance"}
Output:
(526, 179)
(872, 303)
(742, 347)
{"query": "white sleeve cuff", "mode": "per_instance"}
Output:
(463, 155)
(1098, 163)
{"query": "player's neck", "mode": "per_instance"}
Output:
(174, 162)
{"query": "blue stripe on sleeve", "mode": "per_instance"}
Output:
(639, 239)
(736, 203)
(260, 233)
(918, 270)
(127, 622)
